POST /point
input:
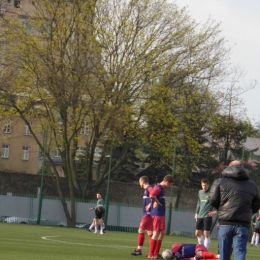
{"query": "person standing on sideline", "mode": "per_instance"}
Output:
(100, 201)
(236, 198)
(146, 223)
(203, 215)
(256, 227)
(158, 215)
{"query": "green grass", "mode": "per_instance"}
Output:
(32, 242)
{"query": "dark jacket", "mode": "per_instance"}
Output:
(235, 197)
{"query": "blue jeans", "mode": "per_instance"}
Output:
(232, 238)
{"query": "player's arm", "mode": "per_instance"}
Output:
(153, 196)
(197, 209)
(148, 207)
(175, 248)
(154, 199)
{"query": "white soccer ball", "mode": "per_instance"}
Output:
(167, 254)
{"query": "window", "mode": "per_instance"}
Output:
(25, 153)
(17, 4)
(7, 127)
(27, 25)
(57, 153)
(80, 150)
(5, 151)
(98, 152)
(40, 154)
(84, 129)
(26, 130)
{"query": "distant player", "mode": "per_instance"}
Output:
(203, 215)
(192, 252)
(146, 223)
(256, 225)
(99, 212)
(100, 201)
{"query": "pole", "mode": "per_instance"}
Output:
(170, 203)
(108, 183)
(243, 155)
(43, 169)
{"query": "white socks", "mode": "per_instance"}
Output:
(207, 242)
(91, 226)
(201, 240)
(253, 239)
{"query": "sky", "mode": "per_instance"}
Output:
(240, 23)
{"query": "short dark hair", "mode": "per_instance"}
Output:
(168, 178)
(205, 180)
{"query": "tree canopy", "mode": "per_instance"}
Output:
(137, 74)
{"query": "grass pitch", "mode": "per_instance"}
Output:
(33, 242)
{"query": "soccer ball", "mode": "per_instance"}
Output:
(167, 254)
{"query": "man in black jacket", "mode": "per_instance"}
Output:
(236, 198)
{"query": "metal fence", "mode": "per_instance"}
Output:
(121, 217)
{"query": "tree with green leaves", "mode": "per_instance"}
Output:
(135, 73)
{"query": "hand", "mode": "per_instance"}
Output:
(211, 213)
(147, 208)
(196, 217)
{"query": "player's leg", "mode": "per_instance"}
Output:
(96, 225)
(201, 252)
(146, 222)
(256, 239)
(154, 238)
(198, 232)
(159, 244)
(150, 235)
(92, 225)
(159, 236)
(140, 242)
(209, 255)
(253, 238)
(207, 222)
(101, 225)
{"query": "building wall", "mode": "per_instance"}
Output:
(16, 140)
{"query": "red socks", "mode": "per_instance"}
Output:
(152, 247)
(158, 247)
(140, 239)
(208, 255)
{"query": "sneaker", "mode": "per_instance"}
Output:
(218, 256)
(95, 232)
(101, 232)
(157, 257)
(87, 229)
(150, 257)
(251, 245)
(104, 230)
(136, 253)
